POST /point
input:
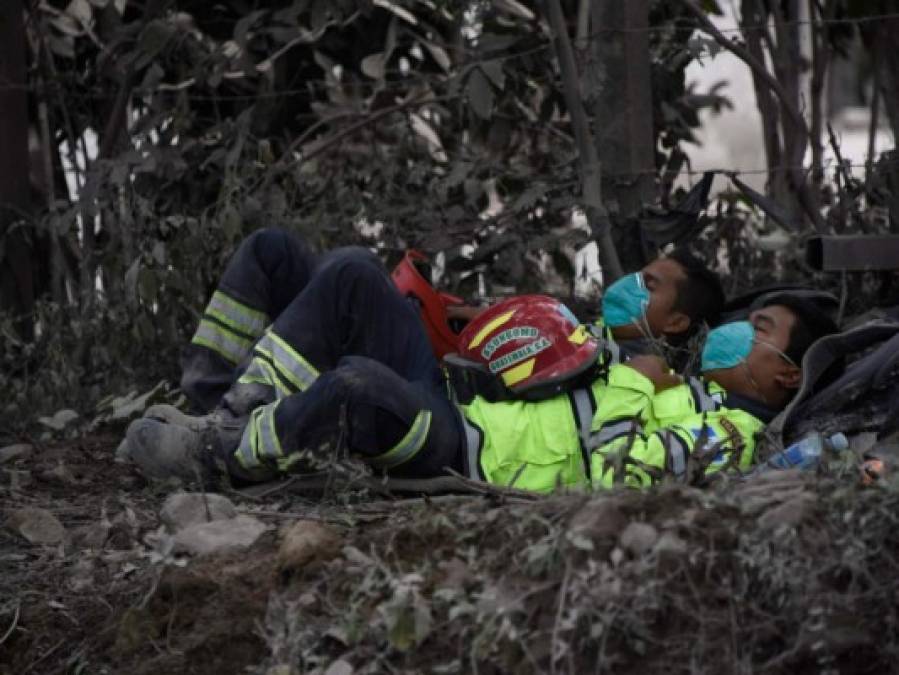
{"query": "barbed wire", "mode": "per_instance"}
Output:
(740, 29)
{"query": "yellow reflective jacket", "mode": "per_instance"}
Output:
(634, 437)
(689, 429)
(544, 444)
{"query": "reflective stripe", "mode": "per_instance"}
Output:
(610, 431)
(259, 444)
(474, 441)
(261, 371)
(702, 400)
(239, 316)
(614, 352)
(288, 361)
(409, 446)
(583, 405)
(677, 453)
(219, 339)
(278, 364)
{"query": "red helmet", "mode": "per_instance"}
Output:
(432, 302)
(529, 347)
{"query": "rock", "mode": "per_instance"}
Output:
(638, 538)
(306, 541)
(598, 519)
(123, 452)
(13, 452)
(185, 509)
(38, 526)
(670, 544)
(218, 536)
(340, 667)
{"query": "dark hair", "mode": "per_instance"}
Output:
(700, 295)
(812, 322)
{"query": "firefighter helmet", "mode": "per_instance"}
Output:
(527, 347)
(431, 303)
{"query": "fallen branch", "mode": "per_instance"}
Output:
(12, 626)
(317, 483)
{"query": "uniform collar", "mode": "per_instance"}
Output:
(753, 407)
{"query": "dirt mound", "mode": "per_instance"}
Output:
(788, 575)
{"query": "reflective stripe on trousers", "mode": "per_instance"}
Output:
(408, 447)
(277, 364)
(229, 327)
(259, 445)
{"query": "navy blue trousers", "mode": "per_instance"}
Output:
(343, 315)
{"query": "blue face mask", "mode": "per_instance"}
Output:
(728, 345)
(625, 301)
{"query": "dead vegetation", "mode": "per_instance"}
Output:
(788, 574)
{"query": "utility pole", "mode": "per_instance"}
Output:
(620, 93)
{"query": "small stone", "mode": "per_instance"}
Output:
(340, 667)
(598, 519)
(638, 538)
(38, 526)
(218, 536)
(670, 543)
(13, 452)
(185, 509)
(281, 669)
(304, 542)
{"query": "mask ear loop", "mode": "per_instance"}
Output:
(753, 382)
(782, 355)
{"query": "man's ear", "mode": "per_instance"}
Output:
(789, 378)
(676, 323)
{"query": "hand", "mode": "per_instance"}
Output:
(656, 370)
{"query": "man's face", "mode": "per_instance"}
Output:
(767, 361)
(663, 278)
(767, 374)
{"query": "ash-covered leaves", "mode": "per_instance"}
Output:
(785, 575)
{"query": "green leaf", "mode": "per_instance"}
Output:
(494, 70)
(480, 94)
(373, 66)
(408, 619)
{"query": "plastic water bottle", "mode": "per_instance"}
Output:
(805, 454)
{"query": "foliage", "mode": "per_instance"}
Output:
(783, 577)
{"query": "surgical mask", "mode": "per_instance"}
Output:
(729, 345)
(625, 301)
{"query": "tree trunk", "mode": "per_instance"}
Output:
(878, 38)
(16, 255)
(621, 97)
